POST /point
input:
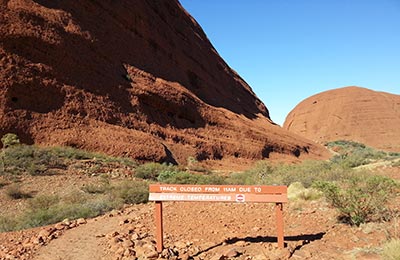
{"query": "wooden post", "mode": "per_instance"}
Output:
(279, 224)
(159, 226)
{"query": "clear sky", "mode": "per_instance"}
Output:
(288, 50)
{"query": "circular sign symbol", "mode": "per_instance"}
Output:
(240, 198)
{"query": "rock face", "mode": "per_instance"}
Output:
(350, 113)
(133, 78)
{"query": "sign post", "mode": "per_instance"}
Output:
(159, 226)
(218, 193)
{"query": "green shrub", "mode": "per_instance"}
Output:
(259, 174)
(33, 160)
(30, 159)
(151, 171)
(175, 176)
(132, 192)
(359, 199)
(391, 250)
(306, 173)
(353, 154)
(94, 188)
(7, 223)
(49, 209)
(9, 140)
(243, 178)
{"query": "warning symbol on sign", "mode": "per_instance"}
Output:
(240, 198)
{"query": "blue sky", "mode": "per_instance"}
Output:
(288, 50)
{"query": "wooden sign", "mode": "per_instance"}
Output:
(218, 193)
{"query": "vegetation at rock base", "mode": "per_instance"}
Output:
(352, 154)
(359, 194)
(360, 199)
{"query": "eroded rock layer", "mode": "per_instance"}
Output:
(134, 78)
(350, 113)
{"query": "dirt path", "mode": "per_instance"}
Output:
(85, 242)
(216, 230)
(88, 241)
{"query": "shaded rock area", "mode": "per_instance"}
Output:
(350, 113)
(129, 78)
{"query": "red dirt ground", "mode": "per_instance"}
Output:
(196, 230)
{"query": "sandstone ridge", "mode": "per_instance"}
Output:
(349, 113)
(132, 78)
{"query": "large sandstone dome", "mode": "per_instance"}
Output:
(134, 78)
(350, 113)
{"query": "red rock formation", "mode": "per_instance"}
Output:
(135, 78)
(350, 113)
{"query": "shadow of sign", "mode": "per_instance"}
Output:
(307, 238)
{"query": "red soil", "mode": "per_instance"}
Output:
(133, 78)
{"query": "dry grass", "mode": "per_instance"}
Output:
(391, 250)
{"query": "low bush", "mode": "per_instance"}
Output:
(182, 177)
(33, 160)
(151, 171)
(396, 163)
(352, 154)
(131, 192)
(49, 209)
(7, 223)
(360, 199)
(14, 191)
(305, 173)
(43, 201)
(94, 188)
(296, 191)
(9, 140)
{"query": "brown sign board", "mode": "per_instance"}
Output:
(218, 193)
(245, 189)
(213, 197)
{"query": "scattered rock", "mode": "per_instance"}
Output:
(81, 221)
(232, 252)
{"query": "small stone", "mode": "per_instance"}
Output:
(180, 245)
(218, 257)
(241, 243)
(115, 240)
(139, 243)
(129, 252)
(151, 254)
(127, 244)
(59, 226)
(37, 240)
(72, 225)
(112, 234)
(120, 251)
(121, 223)
(43, 236)
(135, 236)
(130, 229)
(81, 221)
(185, 256)
(232, 252)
